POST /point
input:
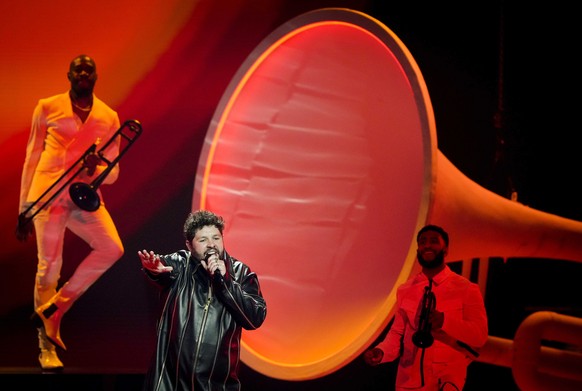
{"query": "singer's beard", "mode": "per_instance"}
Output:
(438, 260)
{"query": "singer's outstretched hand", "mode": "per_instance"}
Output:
(152, 262)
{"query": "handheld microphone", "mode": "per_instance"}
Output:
(216, 276)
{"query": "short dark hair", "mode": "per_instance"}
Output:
(82, 57)
(435, 228)
(200, 219)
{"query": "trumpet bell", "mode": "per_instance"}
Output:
(84, 196)
(422, 339)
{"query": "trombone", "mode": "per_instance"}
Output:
(84, 195)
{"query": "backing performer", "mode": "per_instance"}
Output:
(63, 128)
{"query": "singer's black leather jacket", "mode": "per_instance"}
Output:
(200, 327)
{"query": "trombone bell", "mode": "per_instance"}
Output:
(84, 196)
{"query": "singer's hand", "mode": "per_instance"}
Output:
(152, 262)
(373, 356)
(213, 264)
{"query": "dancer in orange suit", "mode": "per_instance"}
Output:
(63, 128)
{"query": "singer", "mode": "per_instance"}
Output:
(435, 337)
(209, 298)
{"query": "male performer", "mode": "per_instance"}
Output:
(64, 126)
(439, 323)
(210, 297)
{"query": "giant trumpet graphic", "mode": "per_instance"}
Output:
(327, 129)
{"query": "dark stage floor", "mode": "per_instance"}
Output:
(110, 332)
(110, 353)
